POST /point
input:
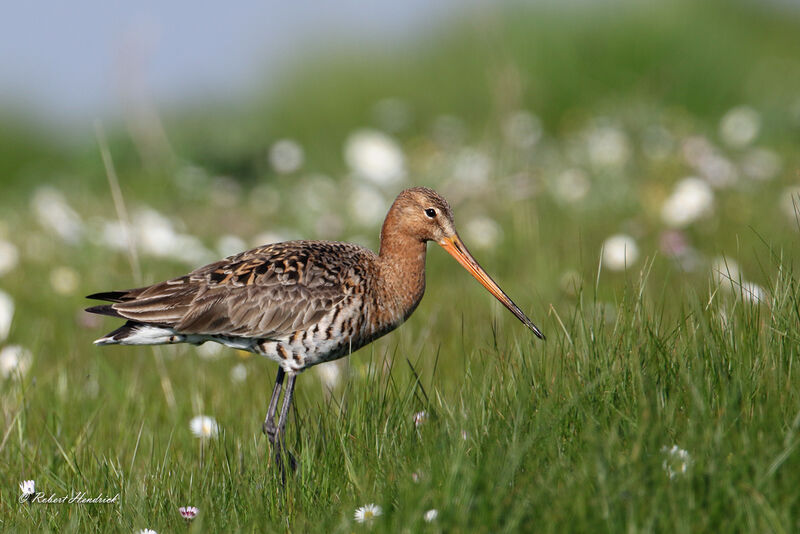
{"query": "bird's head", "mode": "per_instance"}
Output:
(423, 214)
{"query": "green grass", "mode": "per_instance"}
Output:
(566, 435)
(571, 434)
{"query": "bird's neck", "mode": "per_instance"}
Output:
(402, 264)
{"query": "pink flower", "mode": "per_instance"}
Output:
(188, 512)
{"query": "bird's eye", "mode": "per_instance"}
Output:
(430, 212)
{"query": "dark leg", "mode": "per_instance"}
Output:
(280, 437)
(287, 401)
(269, 427)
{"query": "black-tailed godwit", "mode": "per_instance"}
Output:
(300, 303)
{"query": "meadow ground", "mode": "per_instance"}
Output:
(630, 181)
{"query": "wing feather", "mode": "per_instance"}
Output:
(266, 292)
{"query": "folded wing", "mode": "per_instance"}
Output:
(265, 292)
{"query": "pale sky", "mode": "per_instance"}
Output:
(69, 60)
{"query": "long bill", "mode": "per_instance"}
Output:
(456, 248)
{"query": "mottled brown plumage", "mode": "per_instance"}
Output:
(300, 303)
(273, 300)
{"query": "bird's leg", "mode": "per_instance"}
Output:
(287, 401)
(280, 438)
(269, 427)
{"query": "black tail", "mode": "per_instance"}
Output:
(110, 296)
(105, 309)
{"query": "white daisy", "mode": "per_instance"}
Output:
(691, 199)
(28, 488)
(431, 515)
(156, 235)
(572, 185)
(607, 145)
(204, 426)
(6, 314)
(286, 156)
(14, 361)
(420, 418)
(367, 205)
(753, 293)
(56, 215)
(740, 126)
(677, 461)
(239, 373)
(619, 252)
(147, 531)
(367, 513)
(522, 129)
(188, 512)
(210, 350)
(375, 156)
(329, 373)
(718, 170)
(114, 235)
(726, 272)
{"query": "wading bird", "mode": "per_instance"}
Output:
(300, 303)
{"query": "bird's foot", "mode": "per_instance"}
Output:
(282, 455)
(283, 458)
(270, 430)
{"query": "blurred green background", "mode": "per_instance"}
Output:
(583, 147)
(550, 128)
